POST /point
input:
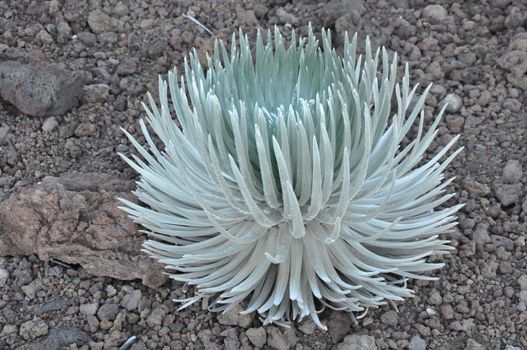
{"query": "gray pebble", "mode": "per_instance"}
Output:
(417, 343)
(390, 318)
(22, 277)
(512, 105)
(89, 308)
(257, 336)
(96, 93)
(508, 194)
(8, 329)
(454, 102)
(505, 267)
(276, 339)
(233, 317)
(131, 300)
(358, 342)
(33, 329)
(110, 290)
(156, 316)
(107, 312)
(50, 124)
(434, 298)
(522, 281)
(512, 172)
(100, 22)
(435, 12)
(31, 289)
(447, 311)
(473, 345)
(87, 129)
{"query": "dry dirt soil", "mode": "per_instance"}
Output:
(475, 54)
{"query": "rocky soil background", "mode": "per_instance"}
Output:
(71, 275)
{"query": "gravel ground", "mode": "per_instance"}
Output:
(474, 52)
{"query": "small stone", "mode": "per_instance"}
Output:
(96, 93)
(50, 124)
(339, 325)
(358, 342)
(522, 281)
(87, 129)
(100, 22)
(435, 12)
(93, 323)
(423, 330)
(98, 345)
(87, 38)
(473, 345)
(290, 335)
(246, 18)
(108, 312)
(138, 346)
(31, 289)
(276, 339)
(476, 188)
(488, 270)
(502, 241)
(417, 343)
(512, 105)
(286, 17)
(44, 37)
(146, 23)
(156, 316)
(435, 72)
(509, 194)
(128, 66)
(131, 300)
(231, 341)
(120, 9)
(22, 277)
(447, 311)
(105, 325)
(4, 276)
(233, 317)
(54, 6)
(455, 123)
(260, 10)
(500, 3)
(257, 336)
(118, 322)
(453, 102)
(390, 318)
(114, 340)
(307, 326)
(456, 326)
(481, 236)
(33, 329)
(8, 329)
(505, 267)
(512, 172)
(89, 309)
(404, 29)
(110, 290)
(434, 298)
(64, 31)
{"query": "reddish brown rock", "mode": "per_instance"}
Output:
(75, 219)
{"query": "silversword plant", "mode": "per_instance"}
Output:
(287, 185)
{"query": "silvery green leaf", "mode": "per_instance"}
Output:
(289, 180)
